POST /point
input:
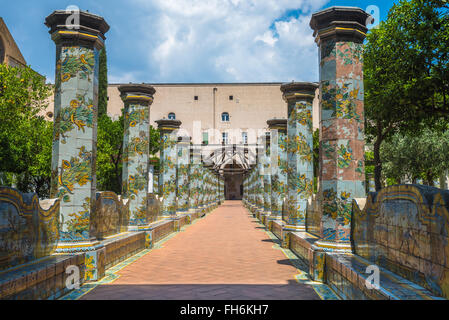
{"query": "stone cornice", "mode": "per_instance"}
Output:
(137, 93)
(295, 91)
(340, 23)
(91, 30)
(166, 125)
(279, 124)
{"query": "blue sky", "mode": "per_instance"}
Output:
(168, 41)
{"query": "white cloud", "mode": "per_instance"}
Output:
(228, 40)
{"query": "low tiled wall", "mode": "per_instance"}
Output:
(348, 283)
(276, 228)
(43, 279)
(405, 229)
(184, 220)
(163, 229)
(123, 247)
(313, 216)
(111, 216)
(154, 208)
(300, 247)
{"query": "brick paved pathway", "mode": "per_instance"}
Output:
(224, 256)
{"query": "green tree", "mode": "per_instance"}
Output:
(25, 136)
(103, 83)
(406, 73)
(154, 140)
(427, 159)
(109, 154)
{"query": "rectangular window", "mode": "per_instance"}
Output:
(225, 137)
(244, 137)
(205, 138)
(231, 98)
(196, 98)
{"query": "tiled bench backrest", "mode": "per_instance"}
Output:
(28, 231)
(405, 229)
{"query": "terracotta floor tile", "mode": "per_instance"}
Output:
(222, 256)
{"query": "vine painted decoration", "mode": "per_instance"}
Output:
(302, 185)
(300, 146)
(77, 171)
(344, 156)
(304, 118)
(76, 62)
(135, 161)
(136, 117)
(341, 100)
(135, 183)
(73, 138)
(137, 146)
(90, 268)
(168, 173)
(79, 114)
(79, 222)
(349, 53)
(338, 206)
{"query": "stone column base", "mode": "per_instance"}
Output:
(312, 250)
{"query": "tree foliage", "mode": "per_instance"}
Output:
(25, 136)
(103, 84)
(428, 159)
(406, 72)
(110, 152)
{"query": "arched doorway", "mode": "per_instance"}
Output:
(231, 161)
(233, 175)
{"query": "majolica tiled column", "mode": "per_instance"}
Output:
(278, 155)
(267, 177)
(75, 132)
(201, 189)
(183, 175)
(299, 98)
(168, 159)
(156, 182)
(208, 187)
(339, 33)
(259, 175)
(217, 188)
(253, 187)
(138, 99)
(204, 188)
(194, 179)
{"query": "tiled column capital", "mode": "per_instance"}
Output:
(340, 24)
(296, 91)
(167, 126)
(277, 124)
(91, 29)
(137, 93)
